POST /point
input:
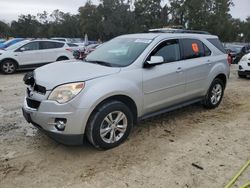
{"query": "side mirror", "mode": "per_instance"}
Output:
(156, 60)
(22, 49)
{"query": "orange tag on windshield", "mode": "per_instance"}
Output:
(195, 47)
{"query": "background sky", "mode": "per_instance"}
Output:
(10, 9)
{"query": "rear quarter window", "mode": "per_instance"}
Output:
(217, 44)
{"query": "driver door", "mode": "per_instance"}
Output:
(164, 84)
(29, 54)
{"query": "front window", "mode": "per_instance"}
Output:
(119, 52)
(31, 46)
(169, 50)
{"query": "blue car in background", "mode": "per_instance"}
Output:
(2, 41)
(10, 42)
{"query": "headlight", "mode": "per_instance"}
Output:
(66, 92)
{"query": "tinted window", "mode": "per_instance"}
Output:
(169, 50)
(207, 50)
(50, 45)
(72, 45)
(31, 46)
(217, 44)
(192, 48)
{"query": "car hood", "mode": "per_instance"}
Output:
(58, 73)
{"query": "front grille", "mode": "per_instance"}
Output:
(39, 89)
(33, 103)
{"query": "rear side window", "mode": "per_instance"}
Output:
(50, 45)
(193, 48)
(217, 44)
(207, 50)
(169, 50)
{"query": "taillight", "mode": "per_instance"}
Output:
(229, 59)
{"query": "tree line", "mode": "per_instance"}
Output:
(111, 18)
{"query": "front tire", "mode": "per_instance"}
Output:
(109, 125)
(8, 67)
(215, 94)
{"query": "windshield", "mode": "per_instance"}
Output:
(17, 45)
(119, 52)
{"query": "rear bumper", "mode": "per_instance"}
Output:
(74, 139)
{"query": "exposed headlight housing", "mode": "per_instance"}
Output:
(64, 93)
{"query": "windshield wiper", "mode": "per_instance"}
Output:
(100, 63)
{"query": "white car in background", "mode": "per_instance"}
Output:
(34, 53)
(76, 41)
(244, 66)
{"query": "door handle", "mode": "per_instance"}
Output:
(179, 69)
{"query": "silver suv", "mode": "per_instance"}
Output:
(127, 79)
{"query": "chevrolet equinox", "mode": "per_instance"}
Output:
(130, 78)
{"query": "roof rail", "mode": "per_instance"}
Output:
(171, 30)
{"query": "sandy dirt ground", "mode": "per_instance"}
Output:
(158, 153)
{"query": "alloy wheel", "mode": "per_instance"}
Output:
(8, 67)
(113, 127)
(216, 94)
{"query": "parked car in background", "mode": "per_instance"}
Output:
(244, 66)
(68, 40)
(236, 51)
(2, 41)
(129, 78)
(81, 54)
(10, 42)
(76, 41)
(34, 53)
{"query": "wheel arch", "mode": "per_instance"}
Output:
(17, 64)
(128, 101)
(223, 78)
(64, 57)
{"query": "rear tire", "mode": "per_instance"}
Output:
(215, 94)
(8, 67)
(109, 125)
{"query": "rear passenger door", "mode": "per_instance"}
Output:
(51, 50)
(196, 63)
